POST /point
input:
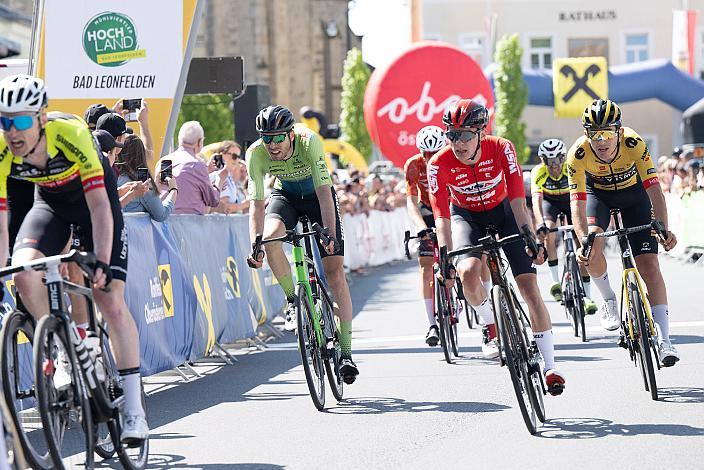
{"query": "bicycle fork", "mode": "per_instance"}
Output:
(305, 274)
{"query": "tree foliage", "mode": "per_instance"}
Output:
(511, 94)
(214, 112)
(354, 82)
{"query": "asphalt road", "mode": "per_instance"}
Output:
(409, 409)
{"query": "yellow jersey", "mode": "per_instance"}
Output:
(633, 165)
(551, 188)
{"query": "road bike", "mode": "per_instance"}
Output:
(518, 351)
(318, 332)
(638, 333)
(77, 386)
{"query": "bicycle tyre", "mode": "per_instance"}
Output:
(511, 349)
(131, 458)
(644, 355)
(568, 300)
(34, 448)
(56, 412)
(311, 355)
(104, 445)
(332, 360)
(578, 295)
(441, 314)
(452, 321)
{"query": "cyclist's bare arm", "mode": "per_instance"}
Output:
(412, 203)
(256, 225)
(101, 224)
(444, 233)
(579, 217)
(538, 207)
(327, 208)
(521, 214)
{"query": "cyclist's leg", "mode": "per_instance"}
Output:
(281, 215)
(426, 251)
(598, 219)
(550, 213)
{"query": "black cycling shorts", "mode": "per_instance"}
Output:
(635, 210)
(289, 208)
(427, 213)
(20, 198)
(468, 227)
(47, 225)
(554, 207)
(427, 247)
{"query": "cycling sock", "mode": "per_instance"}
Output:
(602, 283)
(346, 338)
(286, 284)
(587, 281)
(485, 311)
(546, 345)
(132, 386)
(661, 317)
(487, 287)
(429, 311)
(554, 270)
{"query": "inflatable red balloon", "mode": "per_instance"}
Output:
(413, 91)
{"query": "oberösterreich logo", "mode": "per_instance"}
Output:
(110, 39)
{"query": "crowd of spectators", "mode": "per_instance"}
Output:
(358, 194)
(681, 173)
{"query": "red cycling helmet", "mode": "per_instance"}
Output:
(466, 113)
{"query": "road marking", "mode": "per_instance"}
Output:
(560, 330)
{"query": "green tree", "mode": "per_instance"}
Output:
(354, 83)
(214, 113)
(511, 94)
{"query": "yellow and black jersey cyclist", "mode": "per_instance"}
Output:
(74, 186)
(611, 167)
(550, 192)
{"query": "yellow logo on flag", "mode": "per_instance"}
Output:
(205, 300)
(578, 81)
(167, 290)
(233, 276)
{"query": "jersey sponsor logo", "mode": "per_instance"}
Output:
(570, 170)
(615, 178)
(511, 156)
(652, 171)
(485, 163)
(477, 187)
(645, 157)
(4, 153)
(82, 157)
(93, 183)
(463, 175)
(573, 186)
(579, 153)
(631, 142)
(433, 178)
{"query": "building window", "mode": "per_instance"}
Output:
(636, 47)
(588, 47)
(540, 52)
(473, 45)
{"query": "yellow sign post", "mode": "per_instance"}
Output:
(578, 81)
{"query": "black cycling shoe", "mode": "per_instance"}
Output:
(348, 370)
(433, 336)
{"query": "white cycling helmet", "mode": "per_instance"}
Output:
(552, 148)
(22, 93)
(430, 139)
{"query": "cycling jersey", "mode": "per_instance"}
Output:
(73, 168)
(417, 178)
(479, 187)
(298, 175)
(632, 165)
(551, 188)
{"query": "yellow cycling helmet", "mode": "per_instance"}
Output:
(601, 113)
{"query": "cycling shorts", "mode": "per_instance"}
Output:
(47, 225)
(635, 210)
(554, 207)
(288, 208)
(468, 227)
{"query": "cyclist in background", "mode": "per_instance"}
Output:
(610, 167)
(551, 196)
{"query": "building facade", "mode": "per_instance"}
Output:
(624, 32)
(15, 28)
(296, 47)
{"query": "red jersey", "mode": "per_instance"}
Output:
(482, 186)
(417, 178)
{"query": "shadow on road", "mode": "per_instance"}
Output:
(591, 428)
(681, 395)
(368, 286)
(381, 405)
(177, 461)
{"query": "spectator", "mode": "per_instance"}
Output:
(108, 145)
(233, 199)
(93, 113)
(196, 192)
(145, 197)
(115, 125)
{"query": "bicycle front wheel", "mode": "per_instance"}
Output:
(442, 315)
(19, 390)
(642, 334)
(578, 296)
(452, 321)
(62, 397)
(332, 359)
(311, 354)
(515, 361)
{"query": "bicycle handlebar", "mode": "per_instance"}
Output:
(655, 225)
(323, 234)
(428, 232)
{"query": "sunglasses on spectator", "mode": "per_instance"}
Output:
(463, 136)
(21, 123)
(276, 138)
(601, 134)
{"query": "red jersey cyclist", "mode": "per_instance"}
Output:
(475, 182)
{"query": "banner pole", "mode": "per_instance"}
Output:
(37, 17)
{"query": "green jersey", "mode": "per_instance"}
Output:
(299, 175)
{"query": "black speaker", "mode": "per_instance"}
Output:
(246, 108)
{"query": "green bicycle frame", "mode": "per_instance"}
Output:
(305, 274)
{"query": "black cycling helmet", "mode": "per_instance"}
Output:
(274, 120)
(600, 114)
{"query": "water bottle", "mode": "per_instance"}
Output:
(93, 345)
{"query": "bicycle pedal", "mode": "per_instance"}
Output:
(622, 342)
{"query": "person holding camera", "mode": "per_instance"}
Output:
(233, 199)
(196, 192)
(145, 196)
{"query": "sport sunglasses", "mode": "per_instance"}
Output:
(464, 136)
(276, 138)
(601, 134)
(21, 123)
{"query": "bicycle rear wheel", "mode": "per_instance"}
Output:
(578, 296)
(332, 359)
(644, 358)
(442, 316)
(505, 322)
(452, 321)
(64, 408)
(18, 388)
(311, 355)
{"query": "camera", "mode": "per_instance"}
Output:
(132, 106)
(165, 170)
(142, 174)
(219, 162)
